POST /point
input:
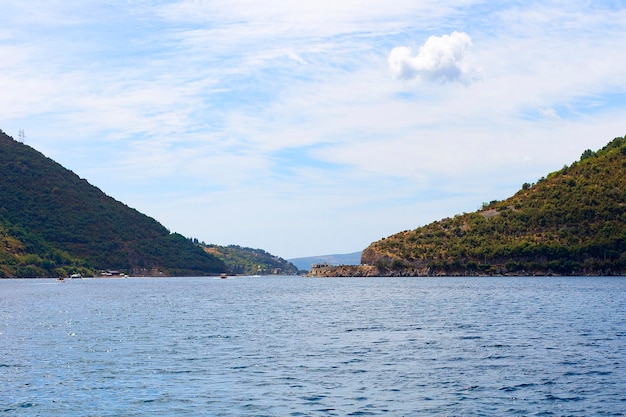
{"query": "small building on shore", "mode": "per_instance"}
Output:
(320, 269)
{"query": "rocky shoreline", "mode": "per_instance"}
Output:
(365, 271)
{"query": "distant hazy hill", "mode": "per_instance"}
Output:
(573, 222)
(248, 261)
(337, 259)
(53, 223)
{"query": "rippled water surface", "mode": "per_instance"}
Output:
(289, 346)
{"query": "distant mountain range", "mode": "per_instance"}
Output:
(304, 264)
(571, 222)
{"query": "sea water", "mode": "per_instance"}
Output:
(292, 346)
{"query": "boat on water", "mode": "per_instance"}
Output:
(76, 276)
(223, 276)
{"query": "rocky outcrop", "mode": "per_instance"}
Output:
(348, 271)
(371, 271)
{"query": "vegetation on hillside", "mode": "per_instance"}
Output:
(247, 261)
(572, 222)
(53, 223)
(25, 255)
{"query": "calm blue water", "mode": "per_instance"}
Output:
(288, 346)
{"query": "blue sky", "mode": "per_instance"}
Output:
(310, 129)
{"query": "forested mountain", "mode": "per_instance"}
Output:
(572, 222)
(247, 261)
(53, 223)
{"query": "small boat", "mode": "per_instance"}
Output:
(76, 276)
(61, 279)
(223, 275)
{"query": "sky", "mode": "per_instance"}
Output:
(311, 128)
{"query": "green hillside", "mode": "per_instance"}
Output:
(53, 223)
(248, 261)
(572, 222)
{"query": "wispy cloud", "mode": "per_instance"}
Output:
(264, 123)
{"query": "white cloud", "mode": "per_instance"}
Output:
(440, 59)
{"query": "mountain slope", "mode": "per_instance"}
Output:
(247, 261)
(571, 222)
(50, 213)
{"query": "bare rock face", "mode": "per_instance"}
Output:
(356, 271)
(369, 256)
